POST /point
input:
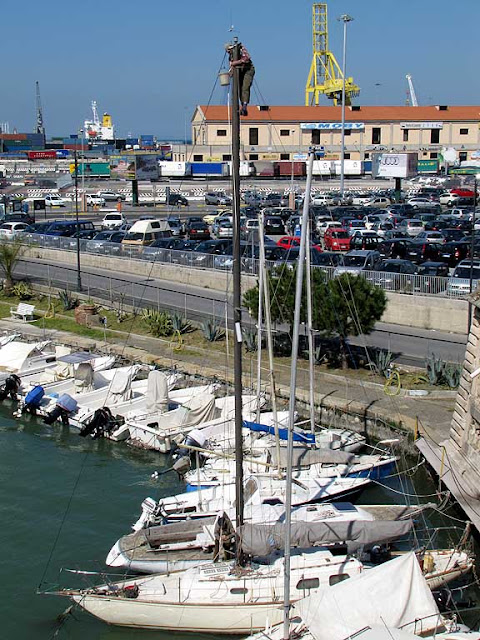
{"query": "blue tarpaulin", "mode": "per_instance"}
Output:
(298, 436)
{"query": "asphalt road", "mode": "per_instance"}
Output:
(410, 346)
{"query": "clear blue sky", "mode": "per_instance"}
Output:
(150, 62)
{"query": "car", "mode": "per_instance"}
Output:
(453, 234)
(431, 268)
(381, 228)
(273, 225)
(249, 227)
(52, 200)
(354, 225)
(95, 201)
(459, 282)
(378, 202)
(449, 199)
(68, 228)
(111, 196)
(252, 198)
(217, 197)
(336, 239)
(175, 225)
(176, 199)
(113, 220)
(361, 198)
(197, 231)
(323, 225)
(455, 251)
(272, 200)
(327, 259)
(354, 262)
(325, 199)
(18, 216)
(108, 242)
(393, 248)
(393, 275)
(11, 229)
(161, 248)
(418, 202)
(222, 228)
(411, 226)
(431, 236)
(201, 254)
(365, 240)
(419, 251)
(288, 242)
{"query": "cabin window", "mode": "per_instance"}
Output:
(284, 132)
(253, 136)
(464, 132)
(316, 136)
(435, 136)
(405, 135)
(340, 577)
(198, 157)
(284, 156)
(238, 591)
(221, 133)
(308, 583)
(376, 135)
(155, 224)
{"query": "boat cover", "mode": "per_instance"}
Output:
(298, 435)
(260, 540)
(83, 377)
(176, 531)
(191, 413)
(14, 354)
(305, 457)
(157, 392)
(120, 388)
(394, 594)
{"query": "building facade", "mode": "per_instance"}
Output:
(280, 132)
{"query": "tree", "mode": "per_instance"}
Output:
(10, 254)
(352, 307)
(282, 284)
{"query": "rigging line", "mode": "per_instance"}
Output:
(84, 460)
(411, 495)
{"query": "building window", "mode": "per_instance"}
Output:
(284, 132)
(348, 132)
(253, 136)
(346, 156)
(284, 156)
(198, 157)
(464, 132)
(435, 136)
(462, 156)
(253, 156)
(315, 136)
(405, 135)
(226, 157)
(434, 155)
(367, 156)
(221, 132)
(376, 135)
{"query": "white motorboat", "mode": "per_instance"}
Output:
(24, 359)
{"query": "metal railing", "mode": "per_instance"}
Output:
(411, 284)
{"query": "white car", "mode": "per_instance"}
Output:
(323, 225)
(11, 229)
(52, 200)
(325, 199)
(361, 198)
(110, 196)
(95, 201)
(450, 199)
(113, 220)
(419, 202)
(431, 236)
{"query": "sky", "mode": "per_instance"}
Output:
(150, 63)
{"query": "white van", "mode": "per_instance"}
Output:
(144, 232)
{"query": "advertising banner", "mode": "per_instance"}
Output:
(394, 165)
(146, 167)
(41, 155)
(122, 168)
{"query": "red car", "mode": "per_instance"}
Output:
(293, 242)
(336, 239)
(463, 193)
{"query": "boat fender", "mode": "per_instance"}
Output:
(33, 399)
(10, 387)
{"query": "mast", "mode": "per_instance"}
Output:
(291, 405)
(237, 295)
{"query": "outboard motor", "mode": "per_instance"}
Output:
(65, 406)
(33, 399)
(194, 439)
(101, 423)
(10, 387)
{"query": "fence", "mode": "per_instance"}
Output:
(411, 284)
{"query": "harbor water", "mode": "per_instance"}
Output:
(64, 501)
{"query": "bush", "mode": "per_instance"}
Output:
(22, 290)
(180, 323)
(159, 322)
(68, 301)
(212, 331)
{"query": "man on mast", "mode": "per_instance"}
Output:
(246, 73)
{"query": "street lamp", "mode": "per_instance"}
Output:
(472, 244)
(79, 276)
(345, 18)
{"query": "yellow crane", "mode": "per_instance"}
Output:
(326, 76)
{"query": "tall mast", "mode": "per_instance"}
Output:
(237, 295)
(39, 128)
(291, 406)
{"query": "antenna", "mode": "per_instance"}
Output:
(39, 126)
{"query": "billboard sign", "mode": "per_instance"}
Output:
(134, 167)
(333, 126)
(146, 167)
(394, 165)
(421, 125)
(42, 155)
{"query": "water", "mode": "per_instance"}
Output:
(64, 501)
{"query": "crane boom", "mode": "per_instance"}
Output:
(326, 76)
(411, 89)
(39, 128)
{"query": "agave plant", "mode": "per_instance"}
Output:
(250, 339)
(383, 360)
(435, 369)
(158, 322)
(22, 290)
(452, 374)
(68, 301)
(212, 331)
(180, 323)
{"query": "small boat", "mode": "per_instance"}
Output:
(23, 359)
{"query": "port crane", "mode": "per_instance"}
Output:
(411, 91)
(326, 76)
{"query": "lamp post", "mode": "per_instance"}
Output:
(345, 18)
(79, 276)
(472, 246)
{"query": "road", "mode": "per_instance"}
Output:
(410, 345)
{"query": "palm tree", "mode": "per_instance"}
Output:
(10, 253)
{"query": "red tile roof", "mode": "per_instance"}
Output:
(216, 113)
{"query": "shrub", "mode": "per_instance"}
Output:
(68, 300)
(159, 322)
(180, 323)
(22, 290)
(212, 331)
